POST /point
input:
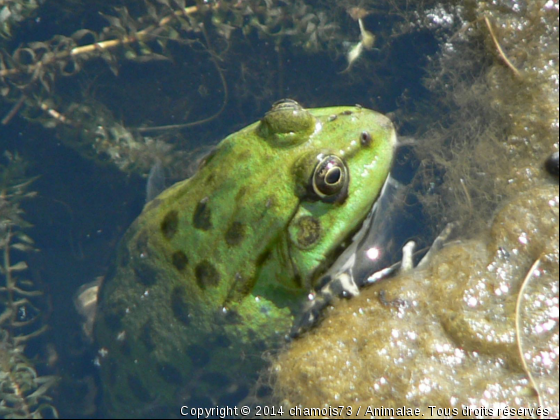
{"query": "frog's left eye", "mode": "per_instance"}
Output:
(330, 179)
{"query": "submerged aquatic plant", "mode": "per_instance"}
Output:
(23, 392)
(14, 11)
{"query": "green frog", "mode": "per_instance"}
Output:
(213, 272)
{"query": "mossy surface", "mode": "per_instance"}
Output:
(445, 336)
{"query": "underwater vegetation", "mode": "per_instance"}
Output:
(24, 393)
(218, 55)
(142, 32)
(14, 11)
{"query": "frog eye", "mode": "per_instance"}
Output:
(330, 179)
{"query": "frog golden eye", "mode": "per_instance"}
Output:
(330, 179)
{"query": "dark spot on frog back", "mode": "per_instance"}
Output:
(180, 260)
(169, 224)
(179, 305)
(202, 215)
(113, 314)
(139, 253)
(147, 336)
(230, 316)
(235, 233)
(206, 274)
(138, 389)
(145, 275)
(199, 355)
(221, 340)
(243, 284)
(170, 373)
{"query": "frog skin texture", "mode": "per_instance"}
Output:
(211, 274)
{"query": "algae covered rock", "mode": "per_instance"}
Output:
(449, 335)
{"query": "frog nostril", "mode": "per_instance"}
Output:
(365, 138)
